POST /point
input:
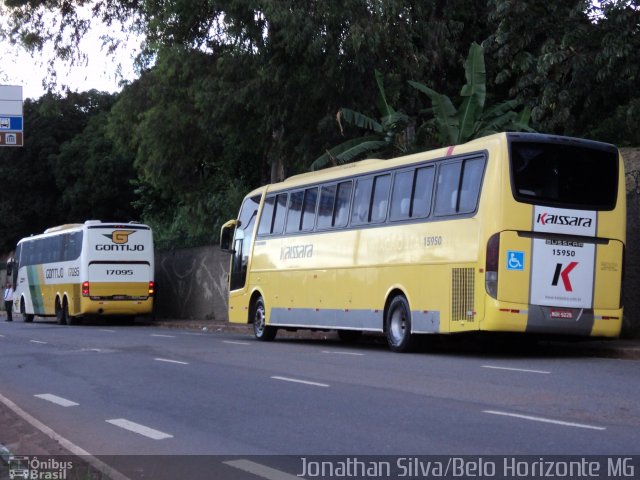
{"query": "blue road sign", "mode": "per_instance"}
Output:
(13, 124)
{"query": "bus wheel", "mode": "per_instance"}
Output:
(25, 317)
(398, 326)
(349, 336)
(261, 330)
(61, 314)
(65, 311)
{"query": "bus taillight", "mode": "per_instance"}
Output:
(492, 262)
(152, 287)
(85, 289)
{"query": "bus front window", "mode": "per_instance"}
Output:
(243, 241)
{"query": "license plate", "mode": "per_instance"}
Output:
(562, 314)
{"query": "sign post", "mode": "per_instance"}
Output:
(11, 119)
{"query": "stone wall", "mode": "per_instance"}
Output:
(192, 284)
(631, 296)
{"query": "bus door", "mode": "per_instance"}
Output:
(240, 249)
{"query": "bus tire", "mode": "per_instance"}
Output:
(26, 317)
(398, 326)
(261, 330)
(61, 315)
(65, 309)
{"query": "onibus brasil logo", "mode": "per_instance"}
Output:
(33, 468)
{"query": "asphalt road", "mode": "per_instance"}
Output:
(140, 390)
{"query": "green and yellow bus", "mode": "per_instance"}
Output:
(76, 270)
(513, 232)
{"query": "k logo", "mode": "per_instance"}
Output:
(564, 274)
(119, 236)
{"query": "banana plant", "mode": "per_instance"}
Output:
(470, 120)
(389, 132)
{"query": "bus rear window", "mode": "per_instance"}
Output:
(574, 176)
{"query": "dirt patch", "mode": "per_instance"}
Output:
(21, 438)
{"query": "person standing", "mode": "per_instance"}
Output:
(8, 300)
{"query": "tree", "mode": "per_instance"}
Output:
(574, 63)
(35, 186)
(453, 126)
(93, 178)
(388, 135)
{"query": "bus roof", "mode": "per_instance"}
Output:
(365, 166)
(88, 224)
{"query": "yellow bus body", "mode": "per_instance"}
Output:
(86, 269)
(345, 278)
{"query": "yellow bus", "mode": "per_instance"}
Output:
(513, 232)
(76, 270)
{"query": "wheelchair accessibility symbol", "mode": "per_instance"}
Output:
(515, 260)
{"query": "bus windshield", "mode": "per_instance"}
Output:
(564, 175)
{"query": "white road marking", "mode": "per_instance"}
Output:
(38, 341)
(139, 429)
(525, 370)
(305, 382)
(71, 447)
(261, 470)
(170, 361)
(108, 331)
(545, 420)
(236, 343)
(63, 402)
(343, 353)
(163, 336)
(2, 336)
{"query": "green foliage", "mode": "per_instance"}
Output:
(236, 93)
(388, 134)
(453, 126)
(38, 184)
(574, 63)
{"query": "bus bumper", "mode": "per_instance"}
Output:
(513, 317)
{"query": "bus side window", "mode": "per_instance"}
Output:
(471, 180)
(401, 196)
(381, 186)
(266, 219)
(74, 248)
(343, 200)
(422, 192)
(281, 211)
(294, 211)
(325, 208)
(362, 201)
(447, 188)
(309, 209)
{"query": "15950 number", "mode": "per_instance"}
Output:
(433, 241)
(561, 252)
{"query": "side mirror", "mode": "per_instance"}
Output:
(226, 235)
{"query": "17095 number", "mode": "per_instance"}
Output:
(119, 272)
